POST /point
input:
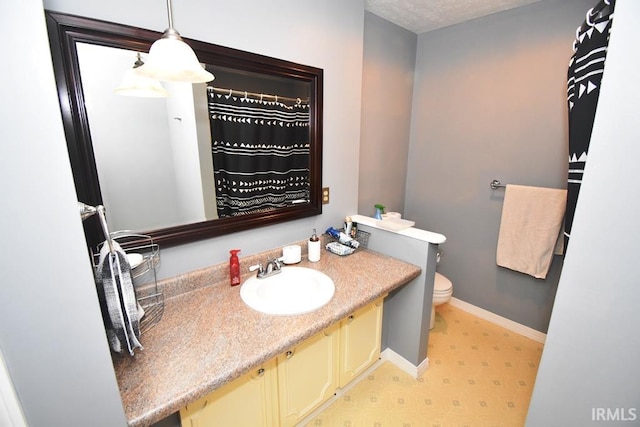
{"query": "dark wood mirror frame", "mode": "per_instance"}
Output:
(67, 30)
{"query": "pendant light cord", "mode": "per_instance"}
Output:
(169, 13)
(171, 33)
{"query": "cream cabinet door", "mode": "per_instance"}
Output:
(360, 336)
(308, 375)
(250, 400)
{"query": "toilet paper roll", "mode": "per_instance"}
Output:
(292, 254)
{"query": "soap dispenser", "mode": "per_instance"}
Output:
(314, 247)
(234, 267)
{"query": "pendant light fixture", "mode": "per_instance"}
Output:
(172, 60)
(135, 84)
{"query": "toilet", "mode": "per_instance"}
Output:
(442, 291)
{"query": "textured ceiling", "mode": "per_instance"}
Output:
(420, 16)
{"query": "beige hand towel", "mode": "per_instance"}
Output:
(531, 222)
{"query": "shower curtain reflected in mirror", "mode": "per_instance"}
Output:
(260, 152)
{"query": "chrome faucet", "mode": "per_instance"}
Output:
(271, 267)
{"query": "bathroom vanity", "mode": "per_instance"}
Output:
(210, 345)
(286, 389)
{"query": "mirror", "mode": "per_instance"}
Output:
(139, 173)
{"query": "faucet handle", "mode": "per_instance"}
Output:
(257, 267)
(277, 263)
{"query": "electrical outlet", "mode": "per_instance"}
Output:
(325, 195)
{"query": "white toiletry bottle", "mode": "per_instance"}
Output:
(314, 247)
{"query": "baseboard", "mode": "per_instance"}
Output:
(402, 363)
(499, 320)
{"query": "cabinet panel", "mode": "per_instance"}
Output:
(308, 375)
(360, 336)
(247, 401)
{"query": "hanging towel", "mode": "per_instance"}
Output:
(118, 299)
(529, 229)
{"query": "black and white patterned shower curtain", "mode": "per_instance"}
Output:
(584, 77)
(260, 153)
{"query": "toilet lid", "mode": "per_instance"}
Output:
(441, 284)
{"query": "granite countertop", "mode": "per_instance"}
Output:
(208, 336)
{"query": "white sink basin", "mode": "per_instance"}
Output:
(295, 290)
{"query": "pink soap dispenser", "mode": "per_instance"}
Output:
(234, 267)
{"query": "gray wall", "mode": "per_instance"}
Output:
(51, 332)
(490, 103)
(591, 355)
(387, 86)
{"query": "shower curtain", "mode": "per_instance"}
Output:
(586, 68)
(260, 153)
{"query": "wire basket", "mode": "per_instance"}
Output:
(363, 238)
(145, 281)
(334, 246)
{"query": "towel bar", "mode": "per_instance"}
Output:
(86, 211)
(495, 184)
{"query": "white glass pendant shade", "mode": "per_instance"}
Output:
(135, 84)
(171, 59)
